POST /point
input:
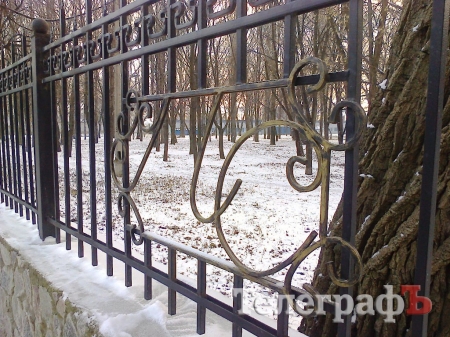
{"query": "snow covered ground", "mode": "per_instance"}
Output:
(267, 221)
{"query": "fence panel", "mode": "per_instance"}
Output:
(132, 54)
(17, 155)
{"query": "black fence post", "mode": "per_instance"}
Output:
(45, 149)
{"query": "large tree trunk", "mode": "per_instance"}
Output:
(388, 196)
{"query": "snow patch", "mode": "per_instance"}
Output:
(127, 325)
(398, 156)
(370, 126)
(416, 28)
(383, 85)
(376, 254)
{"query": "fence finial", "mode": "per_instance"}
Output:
(40, 26)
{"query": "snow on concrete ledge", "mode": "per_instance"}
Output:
(48, 291)
(31, 306)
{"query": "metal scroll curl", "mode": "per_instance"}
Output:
(229, 9)
(322, 148)
(143, 110)
(331, 271)
(350, 106)
(137, 240)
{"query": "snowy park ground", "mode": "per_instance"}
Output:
(267, 221)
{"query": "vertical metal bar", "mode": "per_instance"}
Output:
(65, 125)
(24, 102)
(241, 45)
(171, 73)
(145, 59)
(201, 291)
(78, 164)
(8, 148)
(28, 104)
(145, 78)
(289, 42)
(126, 162)
(12, 126)
(238, 283)
(2, 130)
(283, 316)
(53, 111)
(3, 148)
(92, 137)
(433, 126)
(17, 111)
(6, 135)
(202, 65)
(172, 272)
(351, 156)
(148, 265)
(202, 47)
(107, 148)
(45, 152)
(21, 148)
(171, 54)
(2, 151)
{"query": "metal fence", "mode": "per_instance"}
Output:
(16, 124)
(34, 92)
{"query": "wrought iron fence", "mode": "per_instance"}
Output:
(18, 184)
(35, 107)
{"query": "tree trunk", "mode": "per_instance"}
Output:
(375, 53)
(388, 203)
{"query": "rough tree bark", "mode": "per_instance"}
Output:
(388, 203)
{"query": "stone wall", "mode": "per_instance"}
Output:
(31, 307)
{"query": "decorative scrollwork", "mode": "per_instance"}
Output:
(322, 148)
(132, 34)
(95, 50)
(10, 82)
(109, 39)
(16, 77)
(180, 11)
(78, 56)
(229, 9)
(137, 240)
(66, 60)
(351, 107)
(150, 24)
(141, 109)
(3, 82)
(356, 277)
(55, 62)
(22, 79)
(184, 14)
